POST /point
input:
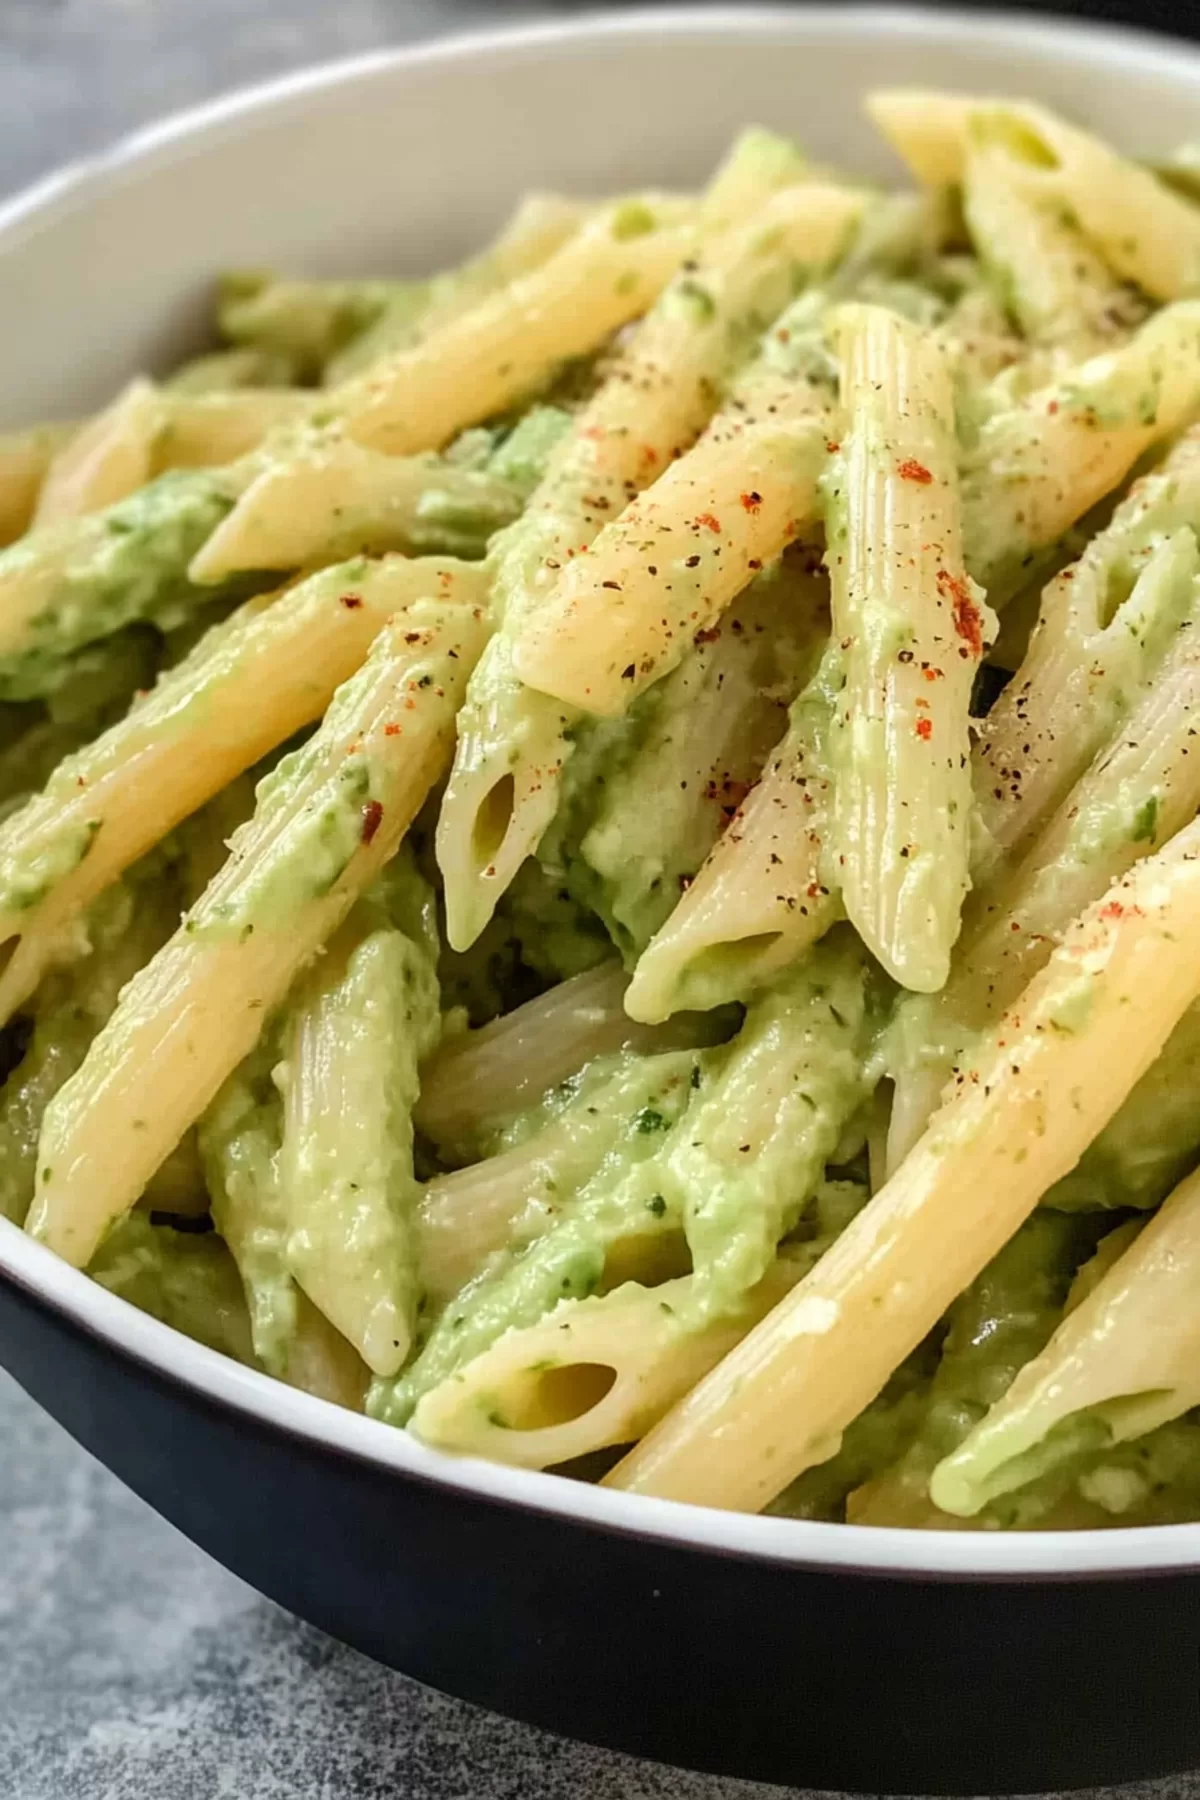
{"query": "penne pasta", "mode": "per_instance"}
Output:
(1138, 793)
(1146, 232)
(593, 1373)
(110, 457)
(911, 630)
(540, 225)
(202, 725)
(761, 898)
(1122, 1363)
(713, 519)
(513, 742)
(478, 1079)
(352, 1042)
(1035, 469)
(1105, 624)
(1050, 1077)
(25, 456)
(326, 822)
(698, 742)
(1056, 286)
(478, 363)
(466, 1220)
(326, 496)
(531, 904)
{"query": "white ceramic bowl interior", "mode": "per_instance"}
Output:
(403, 161)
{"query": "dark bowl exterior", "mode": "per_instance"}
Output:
(735, 1665)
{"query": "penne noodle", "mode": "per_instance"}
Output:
(109, 457)
(911, 631)
(149, 430)
(206, 721)
(540, 225)
(326, 822)
(352, 1043)
(1035, 469)
(467, 1219)
(1053, 1073)
(928, 129)
(760, 900)
(1137, 794)
(25, 457)
(1056, 287)
(1123, 1361)
(513, 741)
(1148, 234)
(713, 519)
(329, 497)
(1104, 626)
(478, 363)
(593, 1373)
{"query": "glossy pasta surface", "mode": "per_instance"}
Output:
(600, 851)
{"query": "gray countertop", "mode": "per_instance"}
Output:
(130, 1664)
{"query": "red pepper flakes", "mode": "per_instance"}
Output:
(707, 520)
(932, 674)
(351, 602)
(832, 446)
(707, 637)
(925, 728)
(1115, 910)
(1052, 408)
(968, 621)
(372, 819)
(912, 470)
(393, 731)
(751, 501)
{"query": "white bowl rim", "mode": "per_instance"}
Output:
(859, 1550)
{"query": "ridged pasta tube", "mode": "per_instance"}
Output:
(1123, 1362)
(1035, 469)
(1057, 287)
(513, 741)
(1104, 626)
(331, 329)
(480, 1079)
(1052, 1074)
(326, 821)
(120, 932)
(912, 629)
(25, 456)
(465, 1220)
(624, 616)
(148, 430)
(698, 742)
(1138, 793)
(591, 1374)
(353, 1040)
(768, 890)
(1145, 231)
(479, 363)
(324, 496)
(540, 225)
(761, 898)
(248, 685)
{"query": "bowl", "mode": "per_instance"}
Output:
(801, 1653)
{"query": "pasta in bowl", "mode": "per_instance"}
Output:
(600, 853)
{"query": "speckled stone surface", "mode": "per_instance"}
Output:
(131, 1666)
